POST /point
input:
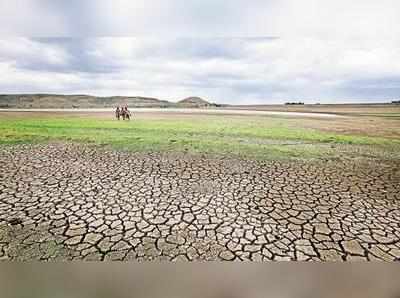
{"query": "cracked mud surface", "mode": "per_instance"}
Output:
(63, 202)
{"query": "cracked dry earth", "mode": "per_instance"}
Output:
(66, 202)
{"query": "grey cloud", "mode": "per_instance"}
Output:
(376, 89)
(237, 70)
(200, 18)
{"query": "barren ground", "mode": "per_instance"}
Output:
(67, 201)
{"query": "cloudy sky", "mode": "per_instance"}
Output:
(262, 51)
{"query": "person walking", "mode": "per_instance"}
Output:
(123, 113)
(118, 113)
(127, 113)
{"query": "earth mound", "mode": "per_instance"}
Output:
(195, 102)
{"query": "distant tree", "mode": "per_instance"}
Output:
(294, 103)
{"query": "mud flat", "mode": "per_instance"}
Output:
(72, 201)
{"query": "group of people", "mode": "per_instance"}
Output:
(123, 112)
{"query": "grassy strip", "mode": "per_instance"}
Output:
(238, 136)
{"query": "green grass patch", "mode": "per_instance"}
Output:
(268, 138)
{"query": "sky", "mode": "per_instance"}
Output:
(237, 52)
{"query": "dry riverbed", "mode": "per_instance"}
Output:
(63, 201)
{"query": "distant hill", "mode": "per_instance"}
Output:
(77, 101)
(195, 102)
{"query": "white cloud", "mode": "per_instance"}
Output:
(27, 53)
(322, 19)
(224, 70)
(325, 50)
(31, 18)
